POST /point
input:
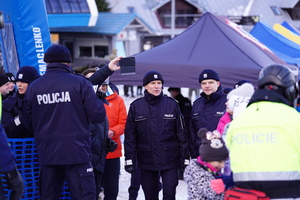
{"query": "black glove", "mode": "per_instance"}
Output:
(129, 167)
(111, 145)
(15, 182)
(100, 95)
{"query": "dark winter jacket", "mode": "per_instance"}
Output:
(99, 136)
(185, 108)
(12, 117)
(154, 133)
(206, 113)
(7, 161)
(99, 77)
(60, 106)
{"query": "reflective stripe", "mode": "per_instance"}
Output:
(128, 162)
(186, 162)
(266, 176)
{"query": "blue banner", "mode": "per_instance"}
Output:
(30, 29)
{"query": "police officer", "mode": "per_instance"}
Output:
(8, 167)
(154, 135)
(184, 104)
(208, 109)
(185, 108)
(263, 141)
(12, 117)
(60, 106)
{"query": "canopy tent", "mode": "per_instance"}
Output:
(287, 33)
(280, 45)
(290, 27)
(212, 42)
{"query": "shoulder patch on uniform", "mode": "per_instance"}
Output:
(136, 100)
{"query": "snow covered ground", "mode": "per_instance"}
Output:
(124, 181)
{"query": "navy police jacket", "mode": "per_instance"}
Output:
(206, 113)
(7, 159)
(98, 145)
(60, 106)
(12, 117)
(154, 133)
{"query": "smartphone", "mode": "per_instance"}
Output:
(127, 66)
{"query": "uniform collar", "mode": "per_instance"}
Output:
(267, 95)
(56, 66)
(151, 99)
(215, 95)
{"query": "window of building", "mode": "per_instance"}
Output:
(294, 12)
(185, 14)
(131, 9)
(69, 45)
(275, 10)
(100, 51)
(63, 6)
(85, 51)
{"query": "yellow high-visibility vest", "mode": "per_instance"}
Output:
(264, 143)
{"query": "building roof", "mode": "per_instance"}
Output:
(109, 24)
(146, 10)
(288, 3)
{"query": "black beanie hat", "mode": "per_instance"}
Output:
(27, 74)
(239, 83)
(10, 76)
(208, 74)
(212, 147)
(3, 79)
(152, 76)
(174, 89)
(57, 53)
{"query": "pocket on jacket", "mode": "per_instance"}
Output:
(140, 123)
(140, 118)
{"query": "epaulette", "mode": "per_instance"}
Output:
(136, 100)
(197, 99)
(171, 98)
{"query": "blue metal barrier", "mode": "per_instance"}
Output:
(27, 163)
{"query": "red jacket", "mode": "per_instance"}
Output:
(117, 115)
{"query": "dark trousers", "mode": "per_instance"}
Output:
(98, 182)
(135, 183)
(111, 178)
(127, 88)
(139, 90)
(80, 178)
(150, 183)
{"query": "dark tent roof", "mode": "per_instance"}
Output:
(212, 42)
